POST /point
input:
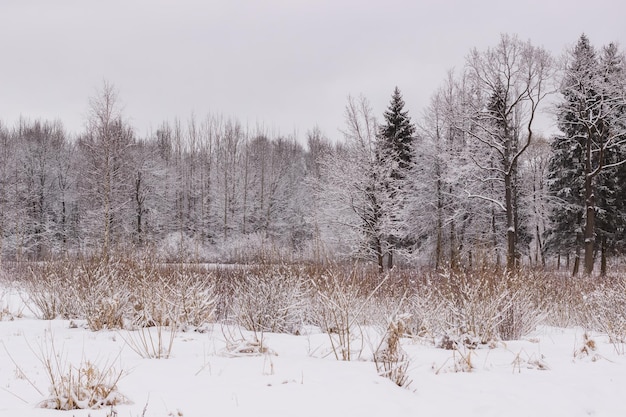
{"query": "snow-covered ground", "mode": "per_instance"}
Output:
(552, 372)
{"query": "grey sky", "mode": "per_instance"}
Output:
(288, 65)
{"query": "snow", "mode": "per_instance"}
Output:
(552, 372)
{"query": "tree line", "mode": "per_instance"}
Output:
(469, 183)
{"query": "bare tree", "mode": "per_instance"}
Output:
(6, 158)
(508, 82)
(105, 147)
(41, 143)
(355, 186)
(534, 173)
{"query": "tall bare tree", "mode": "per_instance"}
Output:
(508, 81)
(105, 147)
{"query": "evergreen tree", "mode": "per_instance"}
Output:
(566, 189)
(566, 169)
(397, 134)
(395, 144)
(611, 186)
(588, 156)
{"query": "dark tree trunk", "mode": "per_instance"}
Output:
(603, 266)
(510, 224)
(590, 213)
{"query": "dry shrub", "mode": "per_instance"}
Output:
(270, 299)
(196, 296)
(150, 289)
(477, 307)
(122, 292)
(561, 298)
(520, 312)
(83, 387)
(164, 300)
(341, 299)
(427, 310)
(154, 342)
(162, 295)
(104, 294)
(472, 307)
(51, 289)
(605, 310)
(89, 289)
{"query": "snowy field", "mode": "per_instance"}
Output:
(551, 372)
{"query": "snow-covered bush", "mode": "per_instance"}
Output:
(117, 293)
(482, 306)
(51, 288)
(605, 310)
(163, 295)
(270, 299)
(103, 293)
(342, 297)
(195, 294)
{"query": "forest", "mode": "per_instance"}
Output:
(466, 183)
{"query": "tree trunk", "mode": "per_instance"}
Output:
(590, 218)
(439, 244)
(139, 202)
(603, 266)
(379, 256)
(577, 253)
(510, 224)
(453, 254)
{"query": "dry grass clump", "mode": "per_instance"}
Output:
(83, 386)
(391, 360)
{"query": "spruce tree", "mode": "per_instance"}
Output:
(566, 168)
(397, 134)
(611, 186)
(395, 157)
(586, 167)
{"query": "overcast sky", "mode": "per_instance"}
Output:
(288, 65)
